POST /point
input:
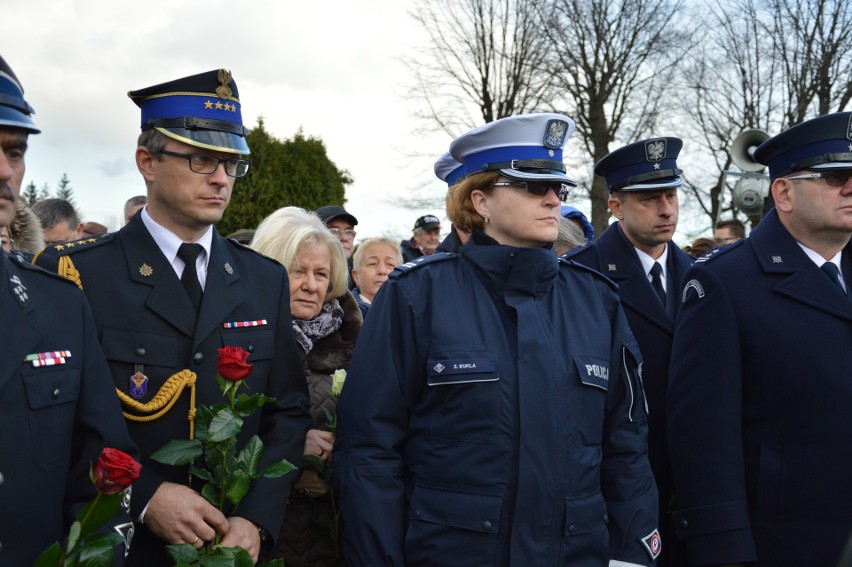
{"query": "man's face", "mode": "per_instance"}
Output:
(725, 234)
(130, 211)
(61, 232)
(816, 210)
(13, 146)
(648, 218)
(428, 240)
(183, 201)
(339, 227)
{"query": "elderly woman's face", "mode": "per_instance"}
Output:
(309, 280)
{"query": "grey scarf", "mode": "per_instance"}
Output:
(307, 332)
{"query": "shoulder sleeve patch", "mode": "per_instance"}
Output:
(407, 267)
(566, 263)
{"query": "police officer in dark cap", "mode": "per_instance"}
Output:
(760, 392)
(167, 292)
(57, 408)
(638, 254)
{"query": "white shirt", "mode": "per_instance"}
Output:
(168, 243)
(648, 263)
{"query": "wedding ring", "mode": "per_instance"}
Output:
(322, 453)
(194, 541)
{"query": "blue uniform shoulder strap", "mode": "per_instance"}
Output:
(716, 252)
(403, 269)
(567, 263)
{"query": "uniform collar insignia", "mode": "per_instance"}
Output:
(777, 260)
(146, 270)
(19, 290)
(611, 267)
(228, 268)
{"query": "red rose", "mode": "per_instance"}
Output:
(114, 471)
(232, 363)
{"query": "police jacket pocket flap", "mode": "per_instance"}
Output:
(461, 370)
(475, 512)
(139, 347)
(711, 519)
(584, 514)
(259, 342)
(51, 386)
(594, 371)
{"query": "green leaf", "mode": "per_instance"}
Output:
(98, 512)
(246, 405)
(178, 452)
(73, 536)
(203, 474)
(182, 553)
(238, 487)
(274, 563)
(50, 556)
(98, 550)
(223, 426)
(280, 468)
(249, 458)
(210, 494)
(203, 416)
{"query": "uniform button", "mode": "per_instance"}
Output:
(486, 525)
(251, 348)
(56, 394)
(1, 478)
(684, 523)
(198, 358)
(571, 529)
(417, 513)
(140, 351)
(606, 518)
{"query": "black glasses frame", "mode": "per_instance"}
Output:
(234, 167)
(831, 178)
(539, 189)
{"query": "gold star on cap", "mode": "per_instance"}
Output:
(146, 270)
(228, 268)
(208, 104)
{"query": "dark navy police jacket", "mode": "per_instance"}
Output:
(760, 406)
(494, 415)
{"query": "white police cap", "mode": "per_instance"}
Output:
(527, 147)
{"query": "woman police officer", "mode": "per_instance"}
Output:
(494, 412)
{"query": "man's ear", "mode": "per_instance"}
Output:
(614, 204)
(780, 191)
(145, 163)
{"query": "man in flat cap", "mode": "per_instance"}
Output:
(57, 409)
(760, 392)
(638, 254)
(167, 292)
(342, 225)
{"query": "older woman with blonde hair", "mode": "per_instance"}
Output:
(326, 321)
(494, 413)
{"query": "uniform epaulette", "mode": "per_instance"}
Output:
(242, 247)
(577, 265)
(403, 269)
(716, 252)
(65, 248)
(21, 263)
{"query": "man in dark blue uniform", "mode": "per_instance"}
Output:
(643, 179)
(167, 291)
(760, 391)
(57, 409)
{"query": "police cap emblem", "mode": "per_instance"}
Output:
(554, 134)
(655, 150)
(223, 90)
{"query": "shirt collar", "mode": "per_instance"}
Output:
(648, 262)
(168, 242)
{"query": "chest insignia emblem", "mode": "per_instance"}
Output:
(146, 270)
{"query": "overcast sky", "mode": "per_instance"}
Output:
(331, 68)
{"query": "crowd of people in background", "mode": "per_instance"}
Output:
(521, 392)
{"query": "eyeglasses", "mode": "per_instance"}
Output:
(338, 233)
(201, 163)
(831, 178)
(540, 189)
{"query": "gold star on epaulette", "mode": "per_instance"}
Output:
(59, 247)
(218, 106)
(208, 104)
(92, 240)
(70, 244)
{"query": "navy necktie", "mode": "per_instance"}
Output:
(657, 282)
(189, 279)
(832, 272)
